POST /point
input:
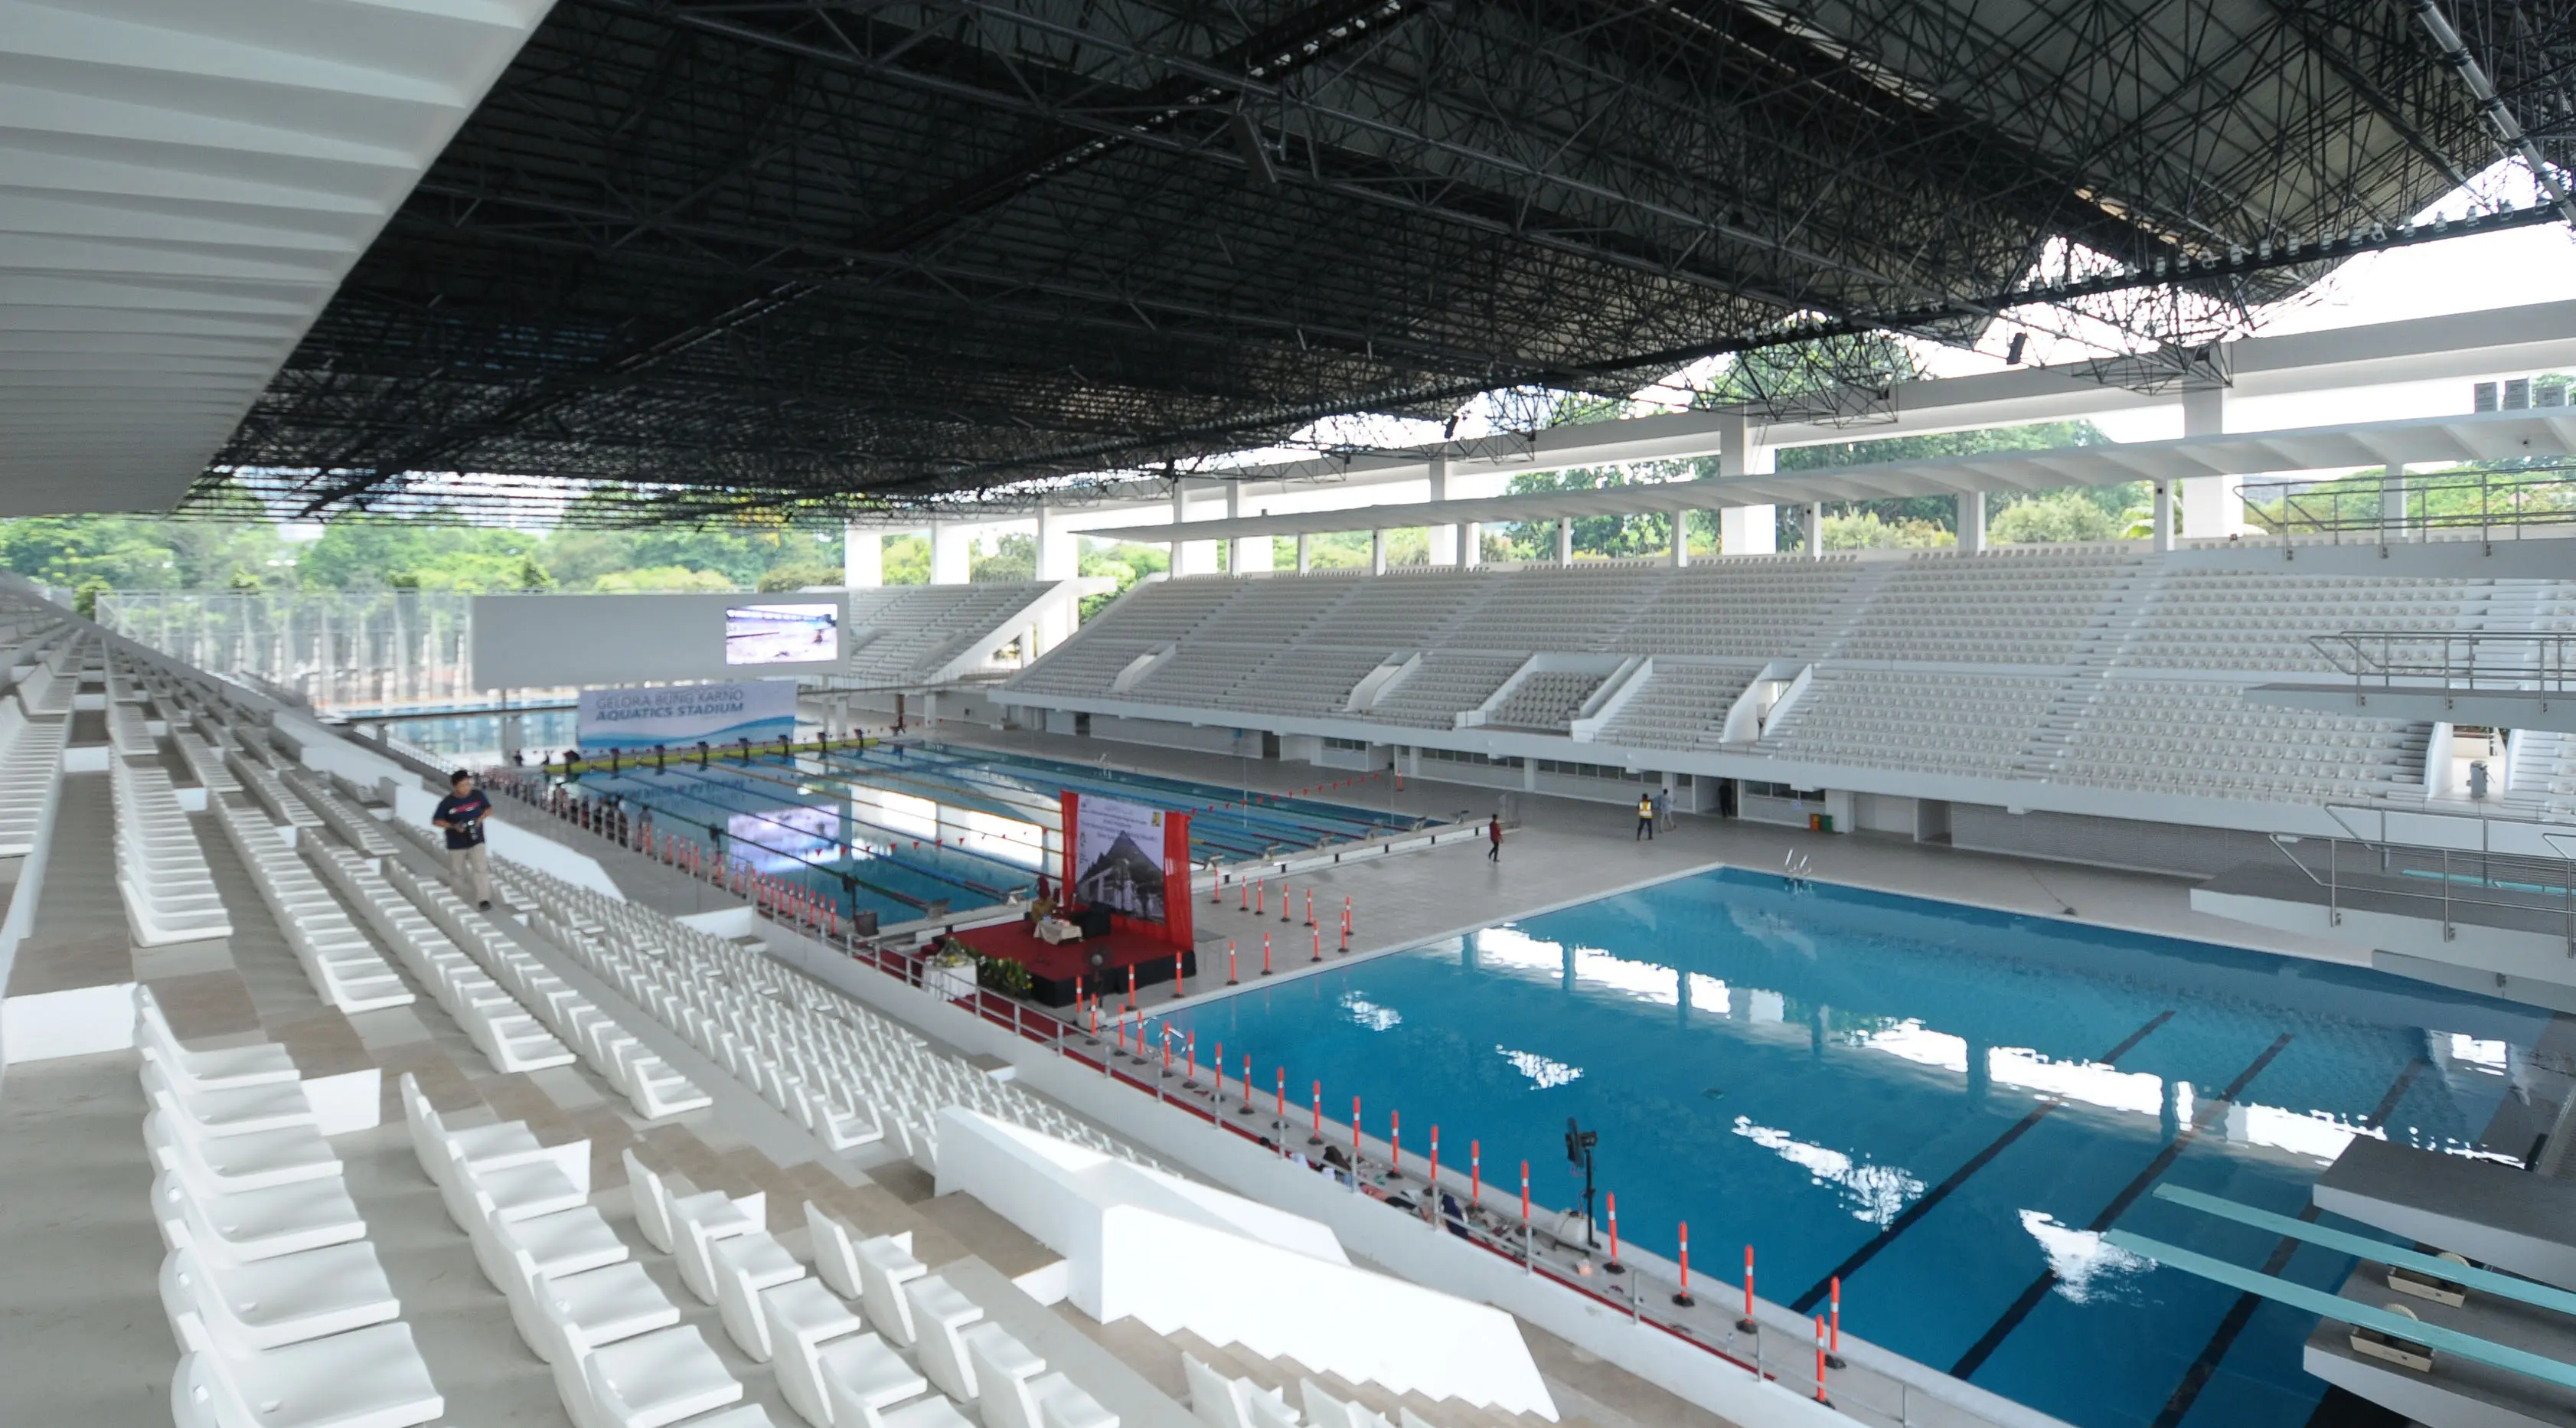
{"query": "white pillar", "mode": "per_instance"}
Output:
(1059, 558)
(2209, 503)
(1444, 539)
(1245, 554)
(1471, 545)
(2164, 516)
(1811, 530)
(1564, 540)
(952, 549)
(1681, 539)
(1305, 553)
(2392, 500)
(1744, 530)
(1972, 522)
(1192, 557)
(862, 556)
(1377, 551)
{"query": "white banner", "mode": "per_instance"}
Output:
(680, 715)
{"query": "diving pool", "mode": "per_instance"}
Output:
(1946, 1105)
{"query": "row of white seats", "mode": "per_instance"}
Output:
(129, 733)
(344, 966)
(282, 1312)
(205, 762)
(259, 779)
(160, 867)
(354, 826)
(653, 1086)
(1220, 1401)
(735, 1043)
(488, 1013)
(31, 768)
(620, 1356)
(835, 1066)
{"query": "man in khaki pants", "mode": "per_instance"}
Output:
(460, 816)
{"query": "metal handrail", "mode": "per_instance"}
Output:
(2385, 509)
(2393, 660)
(2459, 877)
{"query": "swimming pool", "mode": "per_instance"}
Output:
(929, 823)
(1947, 1106)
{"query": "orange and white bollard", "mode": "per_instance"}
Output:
(1475, 1172)
(1230, 978)
(1834, 1324)
(1748, 1324)
(1286, 899)
(1316, 1100)
(1611, 1202)
(1684, 1298)
(1319, 946)
(1310, 907)
(1395, 1141)
(1265, 954)
(1820, 1359)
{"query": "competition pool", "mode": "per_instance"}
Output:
(1947, 1105)
(899, 830)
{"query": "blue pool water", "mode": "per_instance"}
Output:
(1803, 1069)
(933, 823)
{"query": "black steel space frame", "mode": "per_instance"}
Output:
(716, 259)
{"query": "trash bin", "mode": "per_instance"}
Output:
(2478, 779)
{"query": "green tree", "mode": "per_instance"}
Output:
(2052, 517)
(907, 560)
(1864, 530)
(658, 578)
(1014, 557)
(797, 577)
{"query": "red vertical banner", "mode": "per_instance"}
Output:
(1072, 804)
(1176, 880)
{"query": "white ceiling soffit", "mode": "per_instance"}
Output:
(183, 184)
(2545, 432)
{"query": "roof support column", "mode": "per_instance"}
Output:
(2210, 507)
(1681, 540)
(1189, 557)
(1377, 551)
(862, 556)
(1565, 540)
(2164, 517)
(1811, 530)
(1246, 554)
(1471, 545)
(1305, 553)
(1744, 530)
(952, 552)
(1444, 539)
(2392, 502)
(1971, 522)
(1059, 558)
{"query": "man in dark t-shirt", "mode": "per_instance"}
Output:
(460, 816)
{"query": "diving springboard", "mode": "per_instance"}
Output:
(2541, 1296)
(2349, 1311)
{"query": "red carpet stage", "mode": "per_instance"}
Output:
(1053, 967)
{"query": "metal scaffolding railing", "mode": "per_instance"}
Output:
(2522, 661)
(2398, 508)
(337, 650)
(2364, 860)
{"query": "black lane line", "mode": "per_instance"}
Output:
(2197, 1377)
(2002, 1328)
(1905, 1220)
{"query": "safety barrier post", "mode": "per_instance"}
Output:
(1475, 1173)
(1247, 1082)
(1265, 954)
(1231, 979)
(1834, 1323)
(1317, 1101)
(1611, 1202)
(1216, 890)
(1285, 898)
(1748, 1324)
(1431, 1199)
(1684, 1298)
(1395, 1142)
(1820, 1359)
(1177, 991)
(1319, 946)
(1355, 1144)
(1190, 1061)
(1260, 894)
(1310, 907)
(1529, 1259)
(1279, 1117)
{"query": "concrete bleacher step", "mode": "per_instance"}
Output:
(1236, 1361)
